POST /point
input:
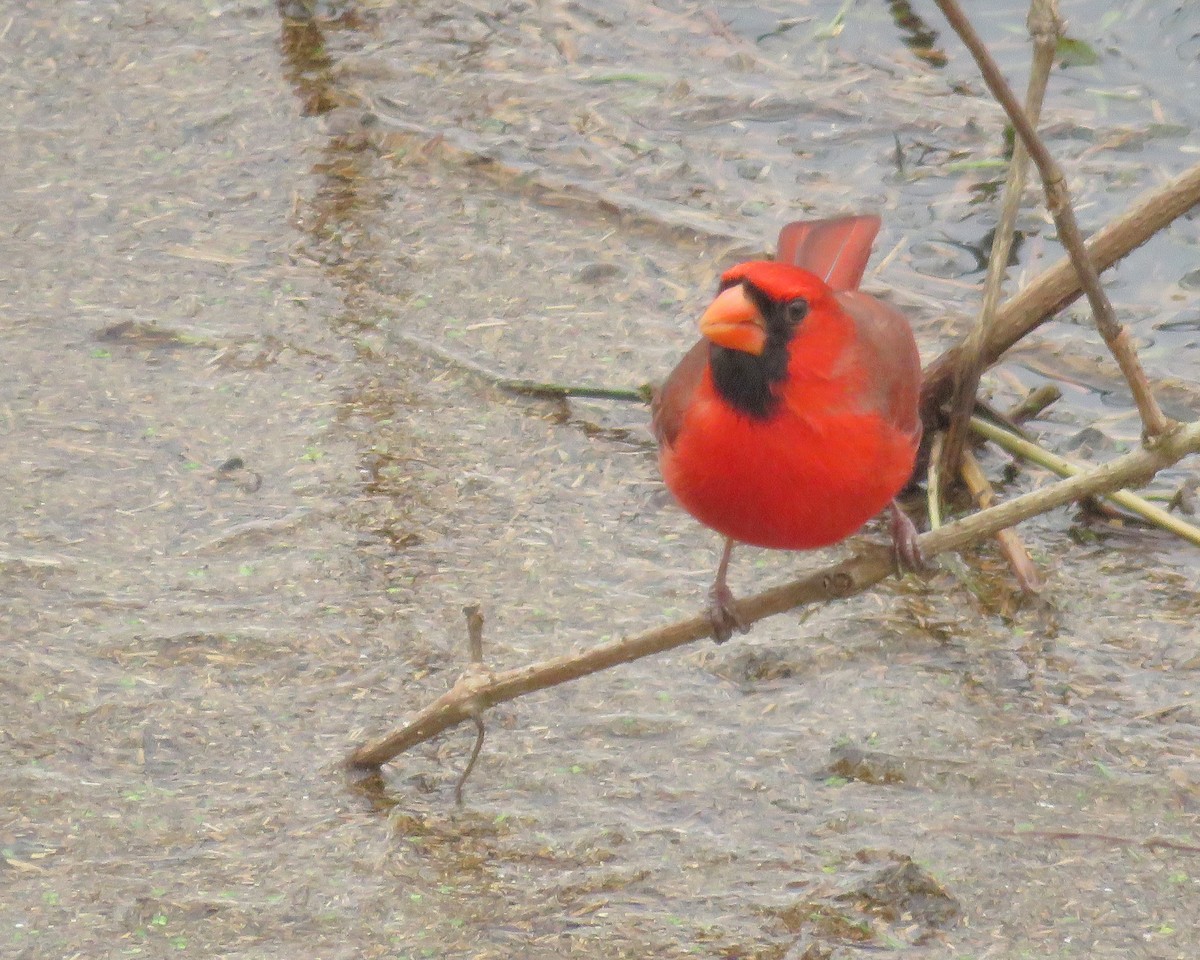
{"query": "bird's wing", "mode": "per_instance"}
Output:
(885, 348)
(669, 404)
(836, 250)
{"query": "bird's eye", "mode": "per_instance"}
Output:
(797, 310)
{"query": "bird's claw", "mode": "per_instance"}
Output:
(906, 542)
(723, 614)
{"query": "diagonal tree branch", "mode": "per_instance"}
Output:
(1058, 286)
(1045, 27)
(1058, 201)
(477, 691)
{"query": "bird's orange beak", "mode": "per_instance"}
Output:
(733, 321)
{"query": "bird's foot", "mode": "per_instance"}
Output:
(723, 614)
(906, 542)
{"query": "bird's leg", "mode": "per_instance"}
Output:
(721, 609)
(905, 542)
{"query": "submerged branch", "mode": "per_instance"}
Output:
(1060, 836)
(479, 690)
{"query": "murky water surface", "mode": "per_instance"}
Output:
(249, 492)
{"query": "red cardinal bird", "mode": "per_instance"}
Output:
(794, 421)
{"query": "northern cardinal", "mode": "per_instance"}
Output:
(794, 420)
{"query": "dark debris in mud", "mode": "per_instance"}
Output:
(880, 899)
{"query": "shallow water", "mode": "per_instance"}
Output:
(250, 494)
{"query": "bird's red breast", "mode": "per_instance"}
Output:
(794, 420)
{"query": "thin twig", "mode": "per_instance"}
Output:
(474, 632)
(480, 731)
(475, 645)
(869, 565)
(933, 503)
(981, 490)
(933, 483)
(1008, 540)
(1034, 403)
(1065, 468)
(1058, 201)
(518, 385)
(1045, 27)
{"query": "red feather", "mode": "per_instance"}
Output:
(835, 250)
